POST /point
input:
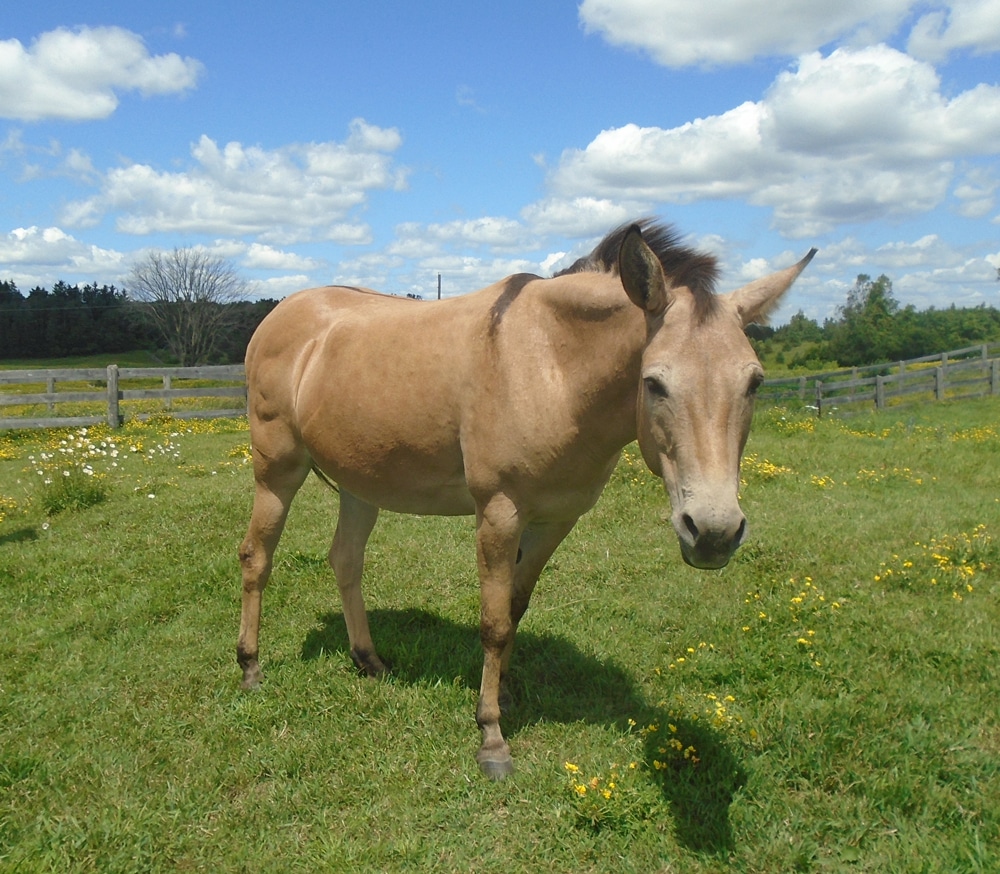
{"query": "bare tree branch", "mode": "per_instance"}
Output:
(186, 294)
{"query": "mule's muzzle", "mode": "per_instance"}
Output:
(710, 544)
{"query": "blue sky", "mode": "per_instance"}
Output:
(385, 142)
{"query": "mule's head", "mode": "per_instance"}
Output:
(696, 395)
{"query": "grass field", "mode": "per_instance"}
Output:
(825, 703)
(138, 358)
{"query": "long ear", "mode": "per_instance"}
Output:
(756, 300)
(642, 274)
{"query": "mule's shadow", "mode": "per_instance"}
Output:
(552, 680)
(20, 535)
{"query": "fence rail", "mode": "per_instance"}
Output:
(961, 373)
(107, 394)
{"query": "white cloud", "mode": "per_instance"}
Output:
(286, 195)
(78, 74)
(960, 24)
(976, 193)
(416, 240)
(855, 136)
(926, 271)
(261, 257)
(581, 216)
(279, 286)
(41, 256)
(679, 33)
(421, 252)
(466, 98)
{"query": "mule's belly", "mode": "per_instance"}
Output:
(391, 469)
(418, 495)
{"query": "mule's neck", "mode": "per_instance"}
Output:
(601, 336)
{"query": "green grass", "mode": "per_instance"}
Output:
(137, 358)
(788, 713)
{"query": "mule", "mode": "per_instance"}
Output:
(512, 403)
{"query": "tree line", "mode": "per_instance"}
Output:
(73, 320)
(872, 328)
(187, 306)
(190, 308)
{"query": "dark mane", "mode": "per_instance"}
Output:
(682, 264)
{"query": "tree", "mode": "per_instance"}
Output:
(186, 295)
(864, 332)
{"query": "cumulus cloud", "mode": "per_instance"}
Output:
(290, 194)
(468, 254)
(581, 216)
(417, 240)
(855, 136)
(960, 24)
(261, 257)
(78, 74)
(40, 256)
(279, 286)
(677, 33)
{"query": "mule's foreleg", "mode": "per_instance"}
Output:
(498, 530)
(347, 558)
(272, 499)
(537, 544)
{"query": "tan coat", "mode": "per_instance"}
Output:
(512, 403)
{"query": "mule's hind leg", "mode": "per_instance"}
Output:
(347, 558)
(277, 481)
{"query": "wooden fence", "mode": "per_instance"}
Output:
(962, 373)
(107, 394)
(110, 394)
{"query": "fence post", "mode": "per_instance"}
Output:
(939, 383)
(50, 387)
(167, 384)
(819, 398)
(984, 353)
(802, 388)
(114, 421)
(995, 377)
(879, 392)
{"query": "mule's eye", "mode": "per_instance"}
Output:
(755, 383)
(655, 387)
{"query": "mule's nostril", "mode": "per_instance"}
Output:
(741, 532)
(689, 524)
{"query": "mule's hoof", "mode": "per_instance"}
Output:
(251, 679)
(250, 683)
(369, 664)
(495, 766)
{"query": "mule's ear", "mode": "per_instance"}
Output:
(642, 274)
(756, 300)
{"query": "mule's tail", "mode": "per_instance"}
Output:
(325, 478)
